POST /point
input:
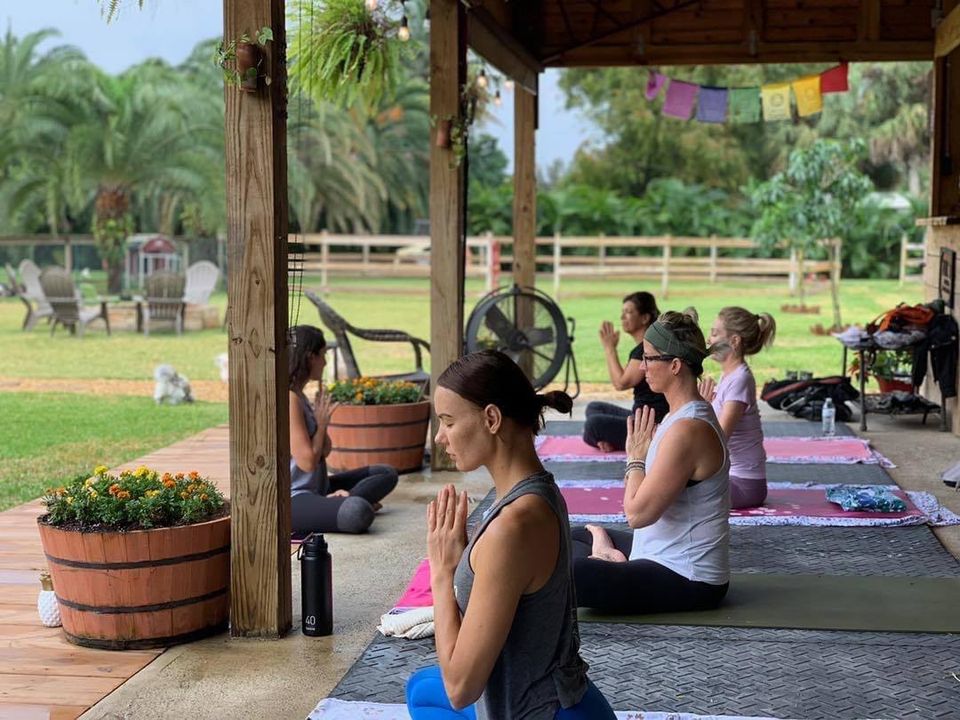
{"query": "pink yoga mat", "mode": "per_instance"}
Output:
(607, 501)
(788, 450)
(418, 592)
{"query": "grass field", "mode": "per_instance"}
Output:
(48, 436)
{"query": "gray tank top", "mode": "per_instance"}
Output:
(539, 669)
(692, 537)
(302, 481)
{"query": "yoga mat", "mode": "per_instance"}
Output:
(333, 709)
(788, 450)
(786, 504)
(822, 602)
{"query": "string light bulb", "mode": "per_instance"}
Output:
(371, 5)
(404, 32)
(508, 85)
(496, 99)
(482, 78)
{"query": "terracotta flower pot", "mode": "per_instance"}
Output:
(248, 66)
(891, 384)
(140, 589)
(371, 434)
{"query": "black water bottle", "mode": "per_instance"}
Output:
(316, 586)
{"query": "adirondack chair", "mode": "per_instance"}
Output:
(341, 330)
(163, 300)
(67, 304)
(30, 293)
(201, 281)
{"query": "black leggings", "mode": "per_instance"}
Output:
(353, 514)
(634, 587)
(606, 422)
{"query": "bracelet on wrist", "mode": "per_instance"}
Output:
(635, 465)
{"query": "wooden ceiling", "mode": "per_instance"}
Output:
(597, 33)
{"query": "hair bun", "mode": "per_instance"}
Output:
(556, 399)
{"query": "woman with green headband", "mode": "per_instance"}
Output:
(676, 495)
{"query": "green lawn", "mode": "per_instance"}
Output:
(44, 437)
(47, 437)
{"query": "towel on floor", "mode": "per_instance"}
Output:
(411, 624)
(866, 498)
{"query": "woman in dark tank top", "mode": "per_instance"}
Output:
(504, 606)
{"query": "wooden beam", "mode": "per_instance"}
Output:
(947, 34)
(256, 164)
(524, 188)
(869, 27)
(737, 53)
(501, 49)
(448, 72)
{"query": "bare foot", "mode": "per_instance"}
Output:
(603, 547)
(605, 447)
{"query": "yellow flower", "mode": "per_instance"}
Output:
(152, 493)
(185, 495)
(69, 501)
(142, 471)
(89, 481)
(203, 496)
(100, 469)
(92, 492)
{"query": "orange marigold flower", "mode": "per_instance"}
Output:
(179, 476)
(169, 483)
(167, 476)
(193, 475)
(123, 495)
(204, 496)
(114, 489)
(185, 495)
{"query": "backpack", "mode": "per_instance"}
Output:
(900, 317)
(805, 398)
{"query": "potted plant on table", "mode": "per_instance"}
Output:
(138, 559)
(892, 370)
(378, 421)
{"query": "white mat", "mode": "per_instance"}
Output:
(331, 709)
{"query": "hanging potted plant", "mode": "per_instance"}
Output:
(138, 559)
(347, 51)
(241, 60)
(378, 421)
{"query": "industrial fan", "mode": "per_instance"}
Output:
(526, 324)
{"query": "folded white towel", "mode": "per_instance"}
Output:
(411, 624)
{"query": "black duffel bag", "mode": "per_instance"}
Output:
(805, 398)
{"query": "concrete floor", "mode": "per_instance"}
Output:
(230, 678)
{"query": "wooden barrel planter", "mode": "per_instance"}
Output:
(372, 434)
(141, 589)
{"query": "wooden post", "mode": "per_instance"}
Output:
(256, 164)
(792, 281)
(713, 258)
(557, 254)
(524, 188)
(665, 269)
(324, 261)
(903, 259)
(67, 254)
(448, 72)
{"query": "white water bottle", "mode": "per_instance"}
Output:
(828, 418)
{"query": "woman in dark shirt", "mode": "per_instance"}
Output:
(606, 424)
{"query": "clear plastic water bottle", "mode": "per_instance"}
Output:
(828, 418)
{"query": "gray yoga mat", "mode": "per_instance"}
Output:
(822, 602)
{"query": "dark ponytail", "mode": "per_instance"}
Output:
(490, 377)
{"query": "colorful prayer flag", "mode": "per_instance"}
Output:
(776, 101)
(654, 83)
(681, 97)
(807, 92)
(743, 105)
(712, 105)
(834, 80)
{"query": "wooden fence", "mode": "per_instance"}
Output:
(913, 256)
(409, 256)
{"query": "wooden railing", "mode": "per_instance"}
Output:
(409, 256)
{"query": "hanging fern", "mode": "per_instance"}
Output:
(341, 52)
(109, 8)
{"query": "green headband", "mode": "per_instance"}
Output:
(665, 340)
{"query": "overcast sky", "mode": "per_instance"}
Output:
(171, 28)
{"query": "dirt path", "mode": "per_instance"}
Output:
(205, 390)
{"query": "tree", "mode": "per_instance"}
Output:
(814, 199)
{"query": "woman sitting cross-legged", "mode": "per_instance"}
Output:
(342, 502)
(736, 334)
(504, 609)
(605, 427)
(676, 495)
